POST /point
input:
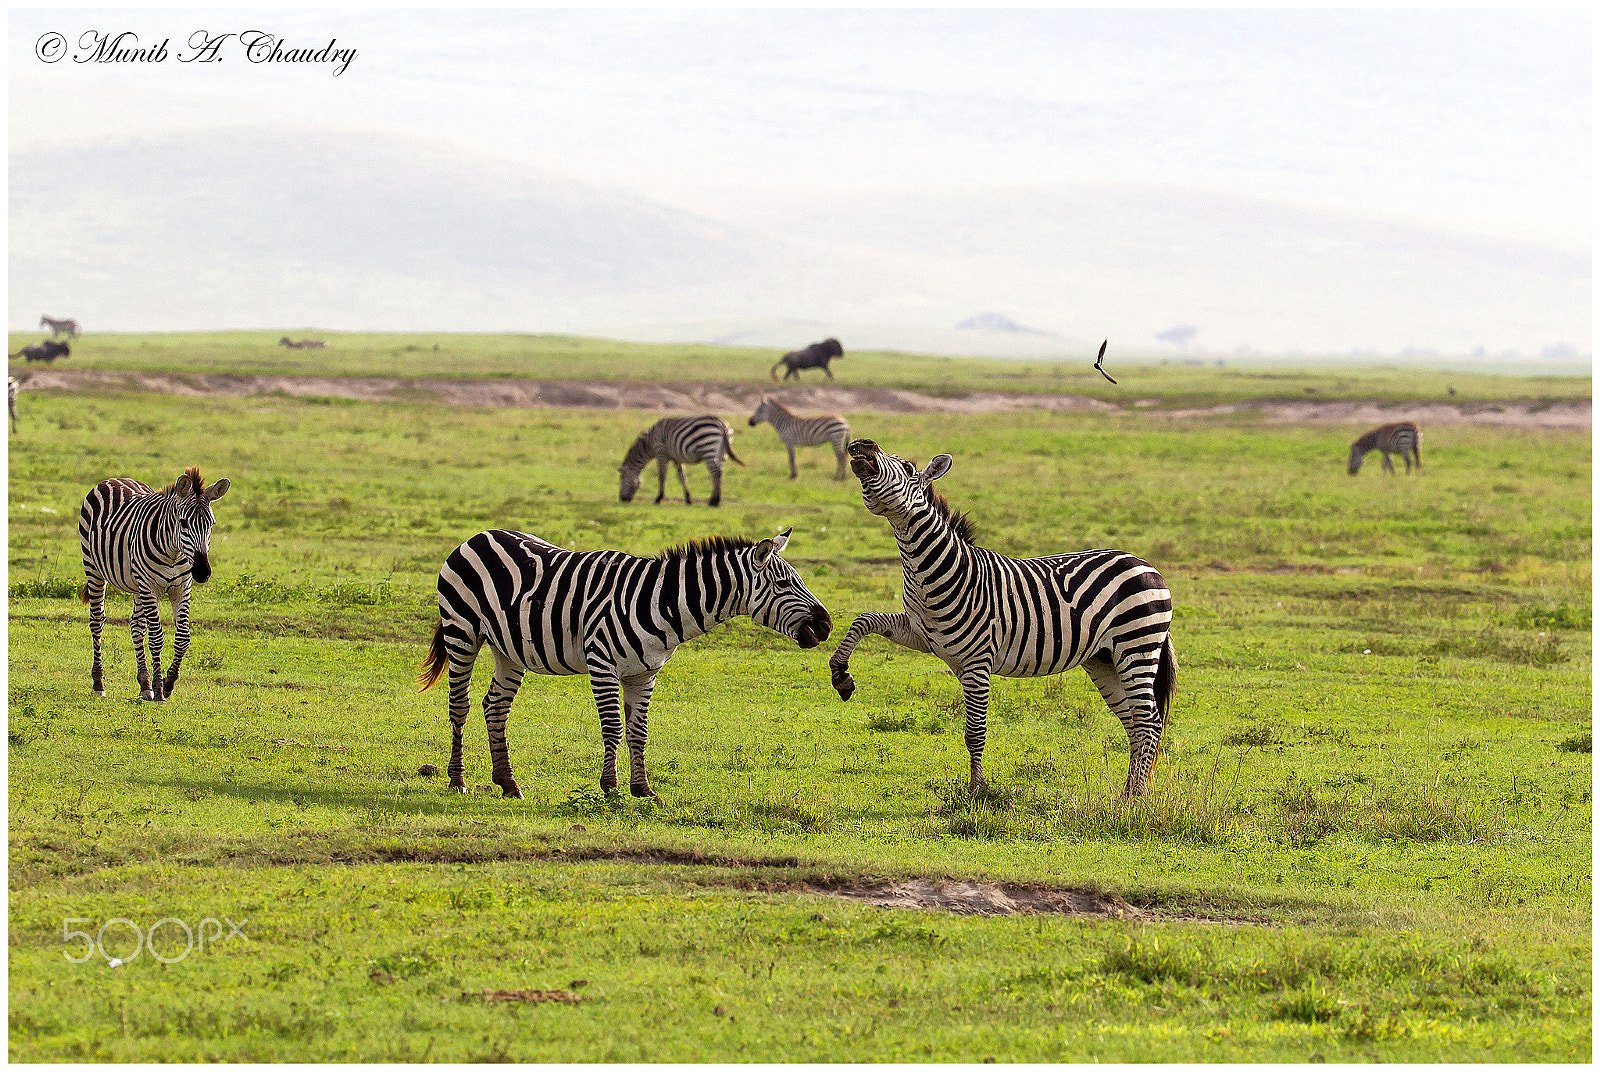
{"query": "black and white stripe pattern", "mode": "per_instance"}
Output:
(1401, 437)
(804, 431)
(984, 613)
(13, 388)
(679, 440)
(607, 614)
(150, 544)
(57, 327)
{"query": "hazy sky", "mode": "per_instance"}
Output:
(1473, 120)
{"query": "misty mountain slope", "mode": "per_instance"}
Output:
(271, 227)
(1245, 271)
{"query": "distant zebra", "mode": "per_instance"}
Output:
(13, 387)
(56, 327)
(984, 613)
(607, 614)
(679, 440)
(150, 544)
(304, 344)
(804, 431)
(1401, 437)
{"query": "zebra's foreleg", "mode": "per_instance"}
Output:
(94, 594)
(636, 704)
(496, 707)
(975, 691)
(1388, 465)
(1129, 692)
(793, 472)
(661, 480)
(180, 639)
(138, 622)
(683, 481)
(896, 627)
(604, 684)
(155, 638)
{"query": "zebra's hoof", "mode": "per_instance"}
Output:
(459, 789)
(644, 791)
(99, 692)
(147, 694)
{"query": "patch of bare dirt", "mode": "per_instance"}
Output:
(970, 898)
(734, 398)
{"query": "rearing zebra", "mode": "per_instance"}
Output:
(804, 431)
(679, 440)
(984, 613)
(56, 327)
(148, 543)
(607, 614)
(1401, 437)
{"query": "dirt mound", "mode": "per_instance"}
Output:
(734, 398)
(982, 898)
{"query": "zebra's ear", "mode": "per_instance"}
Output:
(218, 490)
(781, 540)
(936, 469)
(763, 553)
(183, 487)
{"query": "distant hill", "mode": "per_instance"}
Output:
(997, 322)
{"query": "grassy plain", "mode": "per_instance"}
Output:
(566, 357)
(1379, 760)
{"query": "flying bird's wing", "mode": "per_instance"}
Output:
(1097, 362)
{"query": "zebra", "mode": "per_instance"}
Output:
(150, 544)
(68, 325)
(984, 613)
(304, 344)
(13, 388)
(817, 355)
(607, 614)
(1401, 437)
(804, 431)
(679, 440)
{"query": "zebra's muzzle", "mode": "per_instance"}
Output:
(815, 629)
(863, 458)
(201, 571)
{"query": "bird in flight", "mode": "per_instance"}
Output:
(1097, 366)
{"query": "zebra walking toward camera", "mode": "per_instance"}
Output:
(149, 544)
(1401, 437)
(13, 388)
(804, 431)
(607, 614)
(68, 326)
(680, 440)
(984, 613)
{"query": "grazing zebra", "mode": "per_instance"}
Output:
(13, 388)
(56, 327)
(817, 355)
(150, 544)
(1400, 438)
(607, 614)
(804, 431)
(984, 613)
(679, 440)
(304, 344)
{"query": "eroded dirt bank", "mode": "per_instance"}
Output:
(724, 398)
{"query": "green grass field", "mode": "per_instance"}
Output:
(1370, 837)
(563, 357)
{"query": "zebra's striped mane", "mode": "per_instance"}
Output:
(960, 521)
(639, 453)
(193, 473)
(705, 545)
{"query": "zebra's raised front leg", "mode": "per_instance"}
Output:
(1130, 693)
(715, 469)
(896, 627)
(180, 638)
(606, 687)
(661, 480)
(793, 472)
(975, 691)
(683, 482)
(94, 594)
(636, 704)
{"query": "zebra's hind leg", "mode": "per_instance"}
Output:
(715, 469)
(94, 594)
(839, 456)
(793, 472)
(496, 707)
(975, 691)
(636, 704)
(462, 652)
(1131, 697)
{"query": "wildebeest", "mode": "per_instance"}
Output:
(45, 351)
(304, 344)
(817, 355)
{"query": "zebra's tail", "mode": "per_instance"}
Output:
(83, 593)
(727, 441)
(1416, 451)
(1166, 679)
(434, 665)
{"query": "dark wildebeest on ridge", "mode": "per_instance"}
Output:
(817, 355)
(45, 351)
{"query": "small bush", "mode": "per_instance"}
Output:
(1560, 616)
(1312, 1005)
(47, 588)
(1259, 735)
(892, 723)
(1581, 742)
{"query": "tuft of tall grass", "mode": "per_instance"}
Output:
(47, 588)
(1581, 742)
